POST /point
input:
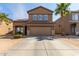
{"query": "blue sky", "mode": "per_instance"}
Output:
(19, 10)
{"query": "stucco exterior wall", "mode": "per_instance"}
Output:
(5, 27)
(63, 26)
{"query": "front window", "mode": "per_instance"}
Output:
(45, 17)
(19, 30)
(34, 17)
(75, 16)
(40, 17)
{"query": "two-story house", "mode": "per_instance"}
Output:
(68, 25)
(39, 22)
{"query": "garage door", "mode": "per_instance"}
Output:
(40, 31)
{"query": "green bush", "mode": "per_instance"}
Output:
(18, 35)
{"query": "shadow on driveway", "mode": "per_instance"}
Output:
(40, 38)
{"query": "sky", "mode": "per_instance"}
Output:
(19, 10)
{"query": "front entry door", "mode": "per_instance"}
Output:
(73, 29)
(25, 30)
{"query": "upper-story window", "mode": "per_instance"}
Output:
(34, 17)
(45, 17)
(40, 17)
(75, 16)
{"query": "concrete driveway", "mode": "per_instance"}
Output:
(43, 46)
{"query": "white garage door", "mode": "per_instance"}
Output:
(40, 31)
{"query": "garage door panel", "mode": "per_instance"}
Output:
(33, 31)
(40, 30)
(47, 30)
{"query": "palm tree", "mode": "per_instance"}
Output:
(62, 9)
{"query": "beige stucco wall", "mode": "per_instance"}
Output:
(5, 28)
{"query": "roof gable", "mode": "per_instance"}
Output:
(40, 7)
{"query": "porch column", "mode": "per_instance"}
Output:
(53, 30)
(13, 30)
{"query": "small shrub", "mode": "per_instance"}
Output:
(18, 33)
(17, 36)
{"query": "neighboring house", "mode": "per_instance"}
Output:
(6, 27)
(68, 25)
(39, 23)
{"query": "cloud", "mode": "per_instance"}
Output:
(74, 6)
(19, 11)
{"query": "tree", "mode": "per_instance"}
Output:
(62, 9)
(4, 17)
